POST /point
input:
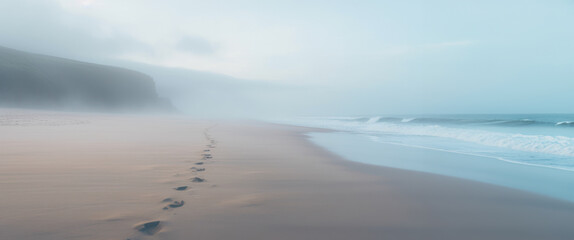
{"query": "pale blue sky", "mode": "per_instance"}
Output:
(353, 57)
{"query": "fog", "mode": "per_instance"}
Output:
(276, 58)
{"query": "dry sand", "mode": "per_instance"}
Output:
(89, 176)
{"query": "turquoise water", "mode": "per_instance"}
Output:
(528, 152)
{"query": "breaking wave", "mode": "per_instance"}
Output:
(502, 132)
(462, 121)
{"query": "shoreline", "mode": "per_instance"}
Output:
(545, 181)
(113, 176)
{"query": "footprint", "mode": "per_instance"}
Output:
(197, 169)
(149, 228)
(197, 179)
(176, 204)
(182, 188)
(167, 200)
(199, 163)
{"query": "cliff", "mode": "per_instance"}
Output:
(38, 81)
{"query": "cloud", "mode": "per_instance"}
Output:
(54, 31)
(197, 45)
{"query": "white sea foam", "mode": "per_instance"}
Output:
(571, 169)
(564, 123)
(558, 145)
(374, 119)
(555, 145)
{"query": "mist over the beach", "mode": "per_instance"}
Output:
(315, 119)
(318, 57)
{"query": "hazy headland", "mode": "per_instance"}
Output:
(44, 82)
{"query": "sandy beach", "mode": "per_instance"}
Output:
(97, 176)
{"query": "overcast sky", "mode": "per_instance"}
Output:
(362, 57)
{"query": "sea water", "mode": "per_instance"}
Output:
(532, 152)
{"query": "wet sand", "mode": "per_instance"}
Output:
(91, 176)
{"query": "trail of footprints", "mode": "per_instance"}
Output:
(152, 227)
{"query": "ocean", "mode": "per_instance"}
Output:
(531, 152)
